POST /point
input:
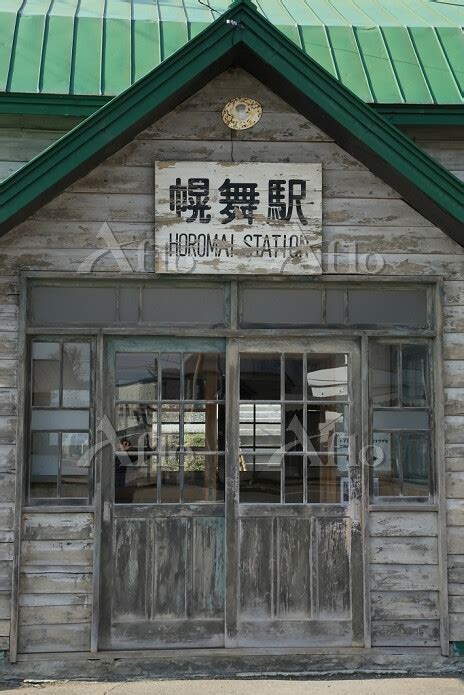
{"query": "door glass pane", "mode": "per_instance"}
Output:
(170, 376)
(260, 377)
(204, 376)
(260, 476)
(170, 427)
(137, 423)
(76, 375)
(135, 477)
(328, 478)
(293, 479)
(293, 366)
(414, 362)
(74, 462)
(204, 427)
(327, 426)
(136, 376)
(45, 461)
(46, 374)
(294, 428)
(203, 478)
(170, 477)
(384, 375)
(260, 425)
(327, 377)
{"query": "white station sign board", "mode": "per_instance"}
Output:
(238, 218)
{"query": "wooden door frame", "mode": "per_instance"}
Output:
(358, 481)
(358, 476)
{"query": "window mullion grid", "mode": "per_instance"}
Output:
(60, 387)
(60, 457)
(304, 444)
(159, 441)
(282, 428)
(181, 430)
(400, 403)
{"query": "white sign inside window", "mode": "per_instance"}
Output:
(227, 217)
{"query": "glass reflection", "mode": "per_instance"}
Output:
(260, 425)
(45, 461)
(203, 478)
(136, 376)
(414, 375)
(327, 377)
(401, 464)
(327, 426)
(136, 476)
(260, 377)
(384, 375)
(293, 368)
(170, 375)
(74, 472)
(138, 424)
(260, 476)
(204, 427)
(45, 374)
(294, 428)
(76, 375)
(327, 476)
(170, 427)
(204, 376)
(170, 477)
(294, 479)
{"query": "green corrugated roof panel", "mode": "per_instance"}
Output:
(400, 51)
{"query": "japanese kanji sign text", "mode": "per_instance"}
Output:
(223, 217)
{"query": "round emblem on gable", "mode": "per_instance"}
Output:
(241, 113)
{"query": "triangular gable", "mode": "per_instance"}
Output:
(242, 37)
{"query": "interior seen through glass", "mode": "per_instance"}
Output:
(399, 385)
(294, 428)
(170, 424)
(60, 419)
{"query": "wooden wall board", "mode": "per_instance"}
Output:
(357, 209)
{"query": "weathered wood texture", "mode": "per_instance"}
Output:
(361, 215)
(55, 600)
(405, 579)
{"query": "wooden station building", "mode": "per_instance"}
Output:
(231, 328)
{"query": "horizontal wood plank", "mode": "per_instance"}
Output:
(412, 551)
(403, 524)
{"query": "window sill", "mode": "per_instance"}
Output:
(403, 507)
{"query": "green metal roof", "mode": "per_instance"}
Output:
(386, 51)
(243, 37)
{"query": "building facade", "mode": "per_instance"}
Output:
(231, 357)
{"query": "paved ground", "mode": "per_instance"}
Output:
(395, 686)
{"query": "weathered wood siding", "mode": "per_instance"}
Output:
(358, 208)
(19, 145)
(405, 580)
(55, 582)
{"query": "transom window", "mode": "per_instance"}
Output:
(294, 428)
(170, 425)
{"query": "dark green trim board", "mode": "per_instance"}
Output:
(50, 104)
(404, 114)
(242, 37)
(82, 106)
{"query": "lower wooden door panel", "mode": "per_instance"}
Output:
(295, 587)
(167, 581)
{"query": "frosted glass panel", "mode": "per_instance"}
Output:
(60, 420)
